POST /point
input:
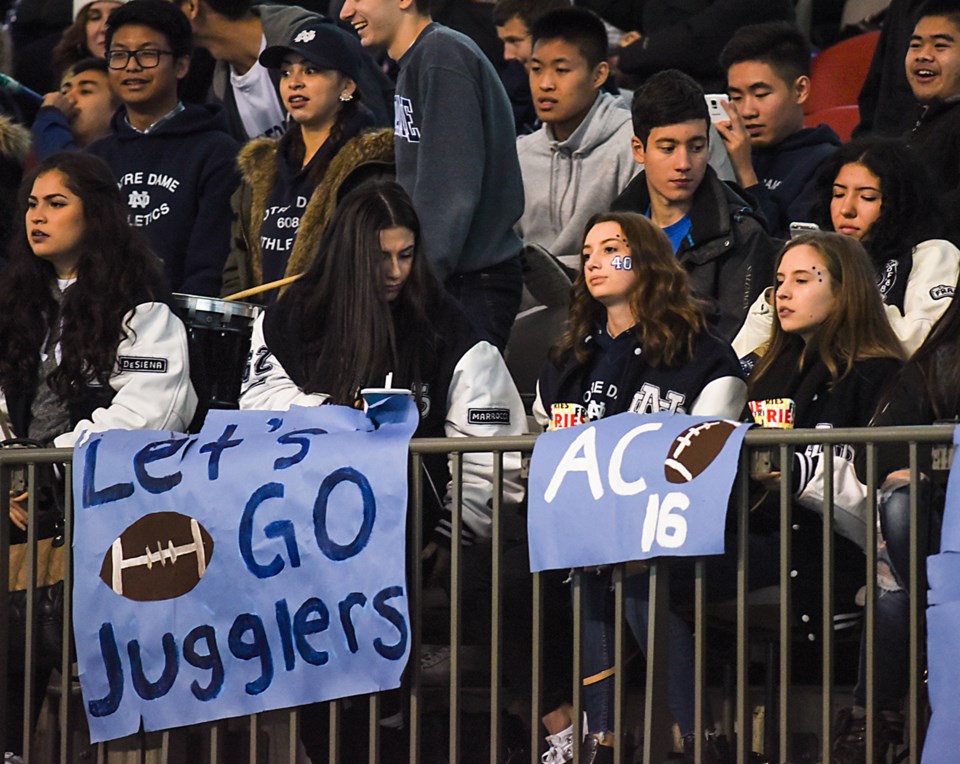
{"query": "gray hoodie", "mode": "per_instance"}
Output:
(565, 182)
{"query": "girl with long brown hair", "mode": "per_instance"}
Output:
(832, 353)
(369, 307)
(86, 37)
(637, 340)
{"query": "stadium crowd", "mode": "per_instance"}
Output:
(648, 169)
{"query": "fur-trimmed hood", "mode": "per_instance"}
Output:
(369, 153)
(14, 140)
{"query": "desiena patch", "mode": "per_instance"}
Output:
(142, 363)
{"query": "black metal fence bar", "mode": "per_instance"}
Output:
(779, 716)
(742, 715)
(826, 634)
(496, 612)
(786, 611)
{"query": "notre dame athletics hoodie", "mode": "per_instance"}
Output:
(177, 179)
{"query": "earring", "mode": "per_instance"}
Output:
(346, 97)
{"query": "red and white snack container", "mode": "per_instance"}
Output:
(775, 414)
(563, 415)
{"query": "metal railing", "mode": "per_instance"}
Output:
(498, 687)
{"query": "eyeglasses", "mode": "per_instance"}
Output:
(146, 59)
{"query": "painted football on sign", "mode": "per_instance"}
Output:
(695, 448)
(161, 556)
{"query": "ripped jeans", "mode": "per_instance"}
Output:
(598, 634)
(892, 643)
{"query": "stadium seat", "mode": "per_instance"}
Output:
(843, 119)
(837, 73)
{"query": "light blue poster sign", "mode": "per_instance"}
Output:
(943, 629)
(631, 487)
(257, 565)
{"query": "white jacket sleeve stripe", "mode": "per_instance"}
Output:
(936, 267)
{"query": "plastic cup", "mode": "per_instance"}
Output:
(373, 396)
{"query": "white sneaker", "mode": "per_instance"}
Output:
(11, 758)
(561, 747)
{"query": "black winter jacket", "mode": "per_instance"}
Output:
(727, 253)
(936, 139)
(710, 383)
(788, 173)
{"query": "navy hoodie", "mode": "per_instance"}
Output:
(787, 173)
(177, 183)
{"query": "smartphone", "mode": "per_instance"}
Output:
(715, 103)
(798, 228)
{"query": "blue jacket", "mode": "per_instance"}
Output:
(787, 173)
(177, 182)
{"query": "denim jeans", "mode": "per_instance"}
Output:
(490, 298)
(892, 643)
(598, 626)
(598, 635)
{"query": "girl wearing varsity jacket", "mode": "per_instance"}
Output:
(636, 341)
(369, 306)
(877, 191)
(832, 352)
(87, 342)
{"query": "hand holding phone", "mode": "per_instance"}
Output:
(715, 103)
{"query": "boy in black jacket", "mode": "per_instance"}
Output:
(933, 71)
(715, 233)
(174, 163)
(774, 156)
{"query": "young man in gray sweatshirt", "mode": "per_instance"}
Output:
(580, 160)
(456, 157)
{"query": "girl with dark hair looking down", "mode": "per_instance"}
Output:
(878, 192)
(369, 306)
